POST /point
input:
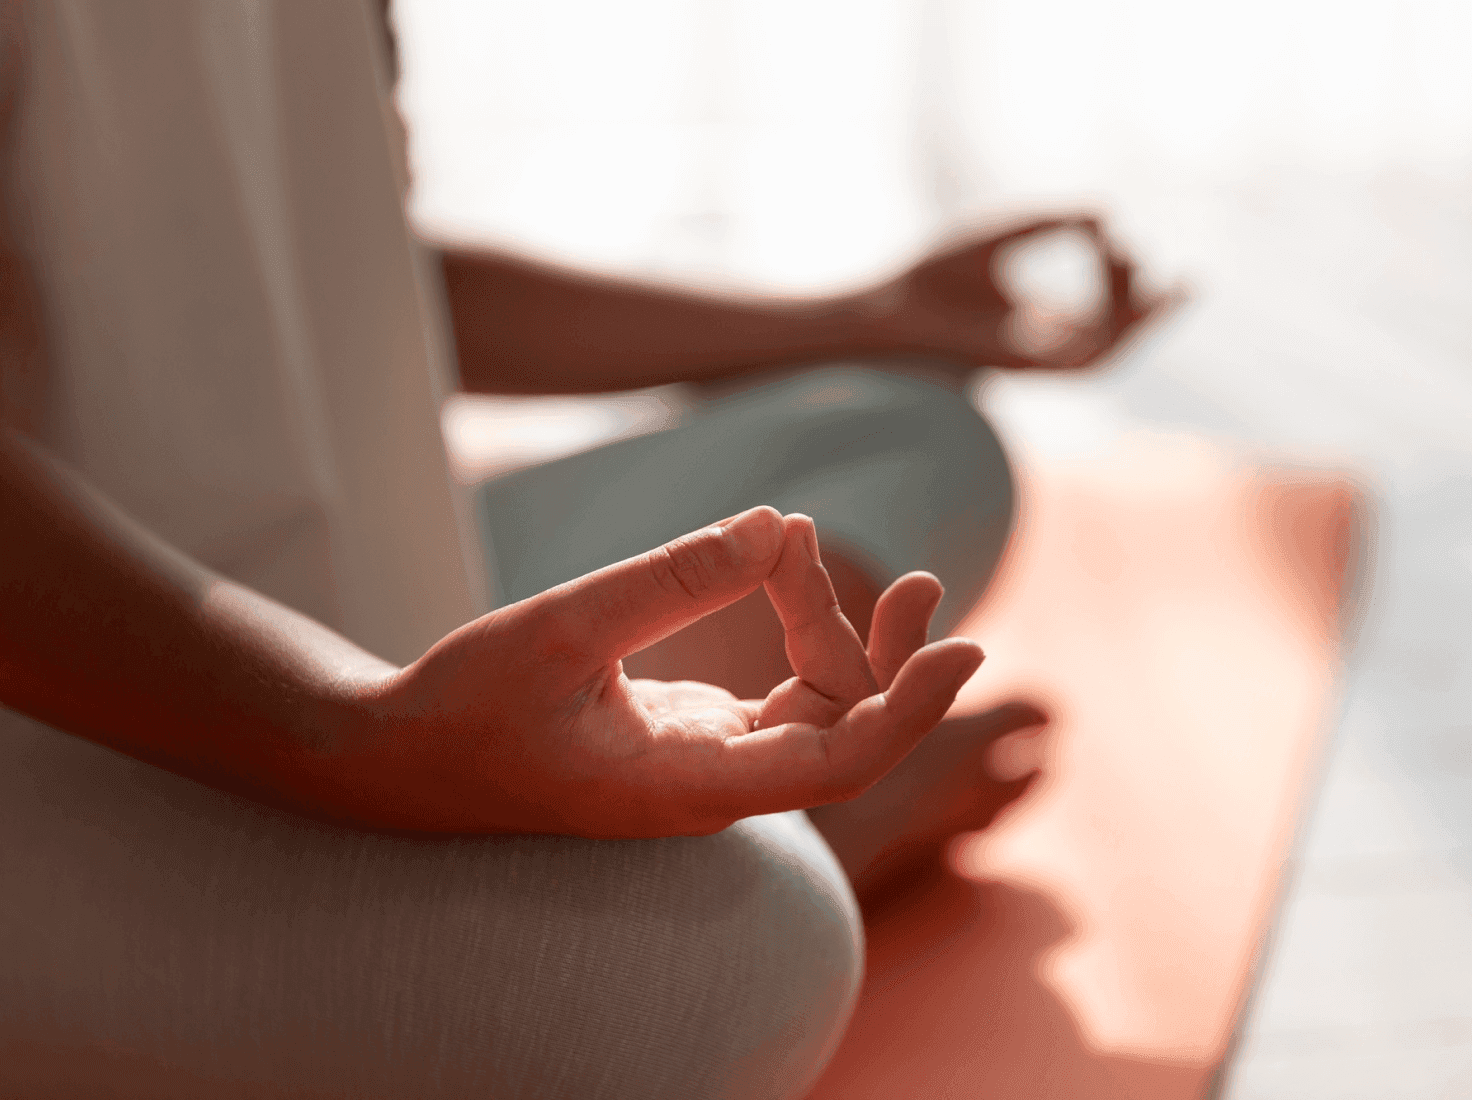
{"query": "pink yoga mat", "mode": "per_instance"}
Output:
(1177, 614)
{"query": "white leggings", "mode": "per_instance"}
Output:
(159, 939)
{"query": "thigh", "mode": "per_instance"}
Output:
(165, 940)
(901, 473)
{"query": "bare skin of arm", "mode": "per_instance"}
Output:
(523, 326)
(111, 634)
(526, 327)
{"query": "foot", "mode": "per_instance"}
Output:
(900, 827)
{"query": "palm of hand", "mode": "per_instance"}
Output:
(525, 722)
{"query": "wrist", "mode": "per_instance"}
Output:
(330, 766)
(877, 320)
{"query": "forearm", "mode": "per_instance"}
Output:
(524, 327)
(108, 633)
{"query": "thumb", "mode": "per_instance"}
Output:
(625, 607)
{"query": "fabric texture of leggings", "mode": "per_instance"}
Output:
(159, 939)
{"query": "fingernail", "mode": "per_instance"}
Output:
(756, 534)
(810, 536)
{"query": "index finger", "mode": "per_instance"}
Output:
(632, 604)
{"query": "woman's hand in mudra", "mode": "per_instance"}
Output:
(954, 304)
(524, 722)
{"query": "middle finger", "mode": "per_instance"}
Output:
(822, 646)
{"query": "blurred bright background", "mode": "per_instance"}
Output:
(805, 142)
(1306, 165)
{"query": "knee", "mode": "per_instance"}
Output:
(721, 966)
(909, 411)
(801, 940)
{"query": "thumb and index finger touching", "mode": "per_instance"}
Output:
(832, 669)
(1126, 307)
(622, 608)
(848, 715)
(632, 604)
